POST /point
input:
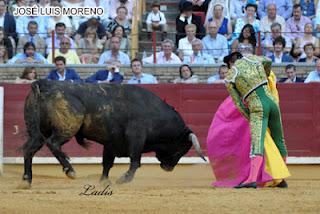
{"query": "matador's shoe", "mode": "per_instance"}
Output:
(282, 184)
(247, 185)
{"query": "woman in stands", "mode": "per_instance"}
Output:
(249, 18)
(228, 145)
(223, 22)
(90, 47)
(28, 75)
(246, 40)
(8, 43)
(3, 54)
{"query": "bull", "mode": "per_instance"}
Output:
(126, 119)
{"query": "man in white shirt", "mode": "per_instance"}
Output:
(219, 77)
(214, 43)
(271, 18)
(166, 56)
(314, 76)
(138, 76)
(198, 56)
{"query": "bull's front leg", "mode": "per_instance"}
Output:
(136, 140)
(134, 165)
(107, 162)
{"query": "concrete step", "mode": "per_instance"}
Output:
(165, 6)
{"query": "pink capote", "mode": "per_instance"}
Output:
(228, 147)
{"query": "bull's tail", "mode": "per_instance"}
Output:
(32, 118)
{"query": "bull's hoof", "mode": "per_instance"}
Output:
(105, 181)
(166, 168)
(71, 174)
(25, 184)
(126, 178)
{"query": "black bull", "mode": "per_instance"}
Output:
(127, 120)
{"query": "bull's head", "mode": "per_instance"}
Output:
(169, 159)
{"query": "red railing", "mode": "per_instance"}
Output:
(197, 104)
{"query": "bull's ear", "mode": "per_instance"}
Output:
(195, 142)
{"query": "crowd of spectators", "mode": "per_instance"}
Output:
(285, 30)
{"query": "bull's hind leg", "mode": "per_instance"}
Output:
(54, 144)
(136, 138)
(29, 150)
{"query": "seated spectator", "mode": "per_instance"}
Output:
(156, 20)
(65, 51)
(114, 54)
(185, 46)
(186, 75)
(225, 12)
(291, 75)
(76, 20)
(215, 44)
(271, 18)
(308, 38)
(109, 75)
(53, 20)
(44, 3)
(278, 55)
(308, 8)
(89, 47)
(223, 22)
(314, 76)
(237, 9)
(187, 17)
(105, 18)
(309, 51)
(198, 56)
(60, 33)
(61, 73)
(166, 56)
(316, 22)
(276, 31)
(3, 54)
(114, 4)
(42, 21)
(8, 43)
(219, 78)
(197, 5)
(8, 22)
(295, 53)
(295, 25)
(249, 18)
(125, 44)
(246, 40)
(93, 23)
(120, 19)
(33, 37)
(284, 8)
(13, 5)
(28, 75)
(29, 56)
(138, 76)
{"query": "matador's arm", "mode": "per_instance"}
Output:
(237, 99)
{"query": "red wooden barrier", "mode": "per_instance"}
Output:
(300, 105)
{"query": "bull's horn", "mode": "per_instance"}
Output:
(193, 138)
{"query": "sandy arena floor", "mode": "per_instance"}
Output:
(185, 190)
